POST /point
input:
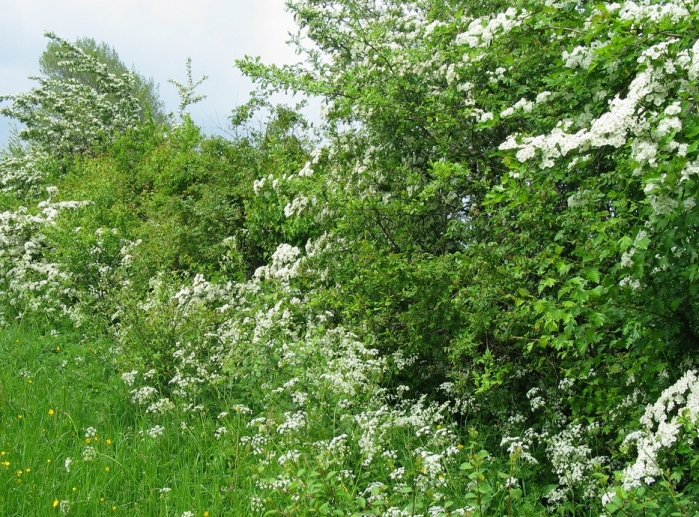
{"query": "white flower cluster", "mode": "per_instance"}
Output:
(89, 453)
(143, 394)
(645, 11)
(571, 459)
(129, 377)
(661, 428)
(161, 406)
(519, 448)
(297, 206)
(482, 31)
(286, 261)
(28, 280)
(521, 105)
(581, 56)
(625, 118)
(154, 432)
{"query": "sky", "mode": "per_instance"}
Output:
(155, 37)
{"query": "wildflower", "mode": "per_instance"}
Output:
(89, 453)
(56, 502)
(108, 441)
(106, 469)
(66, 464)
(51, 411)
(129, 377)
(154, 432)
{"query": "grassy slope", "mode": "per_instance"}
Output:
(52, 388)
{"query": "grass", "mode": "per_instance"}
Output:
(53, 388)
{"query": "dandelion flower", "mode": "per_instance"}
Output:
(106, 469)
(108, 441)
(56, 502)
(51, 411)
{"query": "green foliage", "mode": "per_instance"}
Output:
(53, 65)
(65, 117)
(484, 248)
(72, 443)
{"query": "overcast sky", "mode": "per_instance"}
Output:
(155, 37)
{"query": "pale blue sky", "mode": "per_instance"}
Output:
(156, 37)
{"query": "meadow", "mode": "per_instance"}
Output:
(72, 443)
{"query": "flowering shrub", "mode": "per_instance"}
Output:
(459, 303)
(511, 215)
(662, 470)
(66, 117)
(31, 283)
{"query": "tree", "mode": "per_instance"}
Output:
(53, 65)
(67, 117)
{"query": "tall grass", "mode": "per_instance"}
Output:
(72, 442)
